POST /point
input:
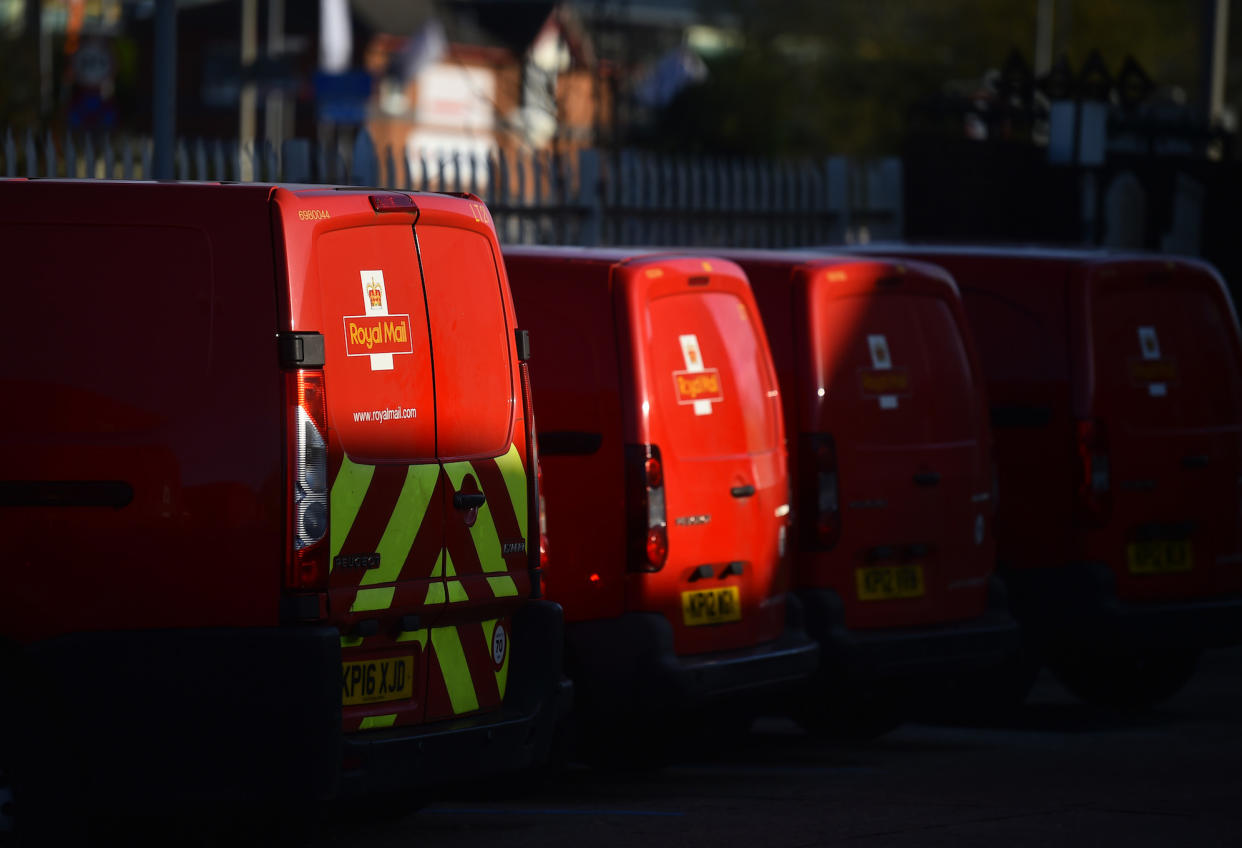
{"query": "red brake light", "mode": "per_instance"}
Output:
(392, 203)
(655, 472)
(646, 523)
(307, 569)
(657, 546)
(1094, 496)
(819, 508)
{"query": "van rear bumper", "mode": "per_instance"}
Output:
(519, 736)
(872, 655)
(626, 667)
(254, 714)
(1079, 602)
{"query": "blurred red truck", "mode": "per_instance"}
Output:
(890, 457)
(664, 470)
(268, 496)
(1116, 390)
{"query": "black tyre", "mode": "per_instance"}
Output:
(1129, 683)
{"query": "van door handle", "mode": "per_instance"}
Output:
(927, 478)
(468, 500)
(1198, 460)
(742, 491)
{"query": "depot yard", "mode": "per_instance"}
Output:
(1058, 772)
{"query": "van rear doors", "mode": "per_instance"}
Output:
(892, 390)
(426, 458)
(707, 423)
(1161, 450)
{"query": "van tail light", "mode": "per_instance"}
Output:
(1094, 495)
(307, 565)
(646, 524)
(536, 555)
(819, 506)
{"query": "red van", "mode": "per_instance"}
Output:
(890, 458)
(664, 470)
(268, 499)
(1116, 390)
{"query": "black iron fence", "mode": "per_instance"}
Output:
(588, 197)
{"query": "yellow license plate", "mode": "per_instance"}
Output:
(889, 582)
(1162, 557)
(711, 606)
(376, 681)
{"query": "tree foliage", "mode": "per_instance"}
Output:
(841, 75)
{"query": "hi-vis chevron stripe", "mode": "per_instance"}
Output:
(429, 559)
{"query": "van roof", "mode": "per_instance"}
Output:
(612, 255)
(229, 185)
(1045, 253)
(930, 275)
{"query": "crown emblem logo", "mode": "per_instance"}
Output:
(375, 294)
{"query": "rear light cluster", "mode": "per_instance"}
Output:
(647, 531)
(308, 467)
(1094, 496)
(819, 506)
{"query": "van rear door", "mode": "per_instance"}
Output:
(481, 443)
(387, 497)
(1167, 405)
(706, 398)
(896, 390)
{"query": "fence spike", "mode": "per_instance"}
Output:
(108, 158)
(32, 157)
(364, 168)
(49, 155)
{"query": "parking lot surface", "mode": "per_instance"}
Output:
(1056, 773)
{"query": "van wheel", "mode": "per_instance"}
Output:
(1130, 683)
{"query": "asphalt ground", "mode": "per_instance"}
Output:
(1057, 772)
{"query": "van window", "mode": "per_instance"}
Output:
(709, 376)
(471, 341)
(1166, 357)
(896, 371)
(378, 369)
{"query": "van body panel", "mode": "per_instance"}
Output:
(141, 327)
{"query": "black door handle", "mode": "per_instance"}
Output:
(468, 500)
(742, 491)
(927, 478)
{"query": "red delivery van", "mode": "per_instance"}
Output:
(664, 470)
(890, 458)
(1116, 399)
(268, 496)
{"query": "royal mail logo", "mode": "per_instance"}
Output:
(698, 386)
(366, 335)
(885, 381)
(375, 294)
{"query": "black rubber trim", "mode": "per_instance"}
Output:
(569, 443)
(113, 494)
(301, 350)
(1014, 416)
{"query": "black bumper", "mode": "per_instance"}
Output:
(887, 654)
(1078, 603)
(254, 714)
(626, 667)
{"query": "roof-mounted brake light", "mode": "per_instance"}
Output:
(392, 203)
